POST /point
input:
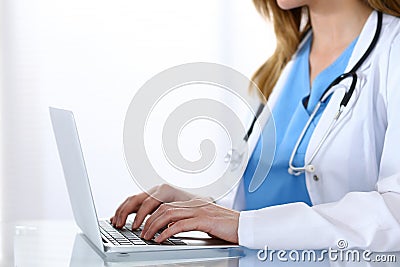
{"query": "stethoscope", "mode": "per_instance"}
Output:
(236, 158)
(345, 100)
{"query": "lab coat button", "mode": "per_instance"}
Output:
(316, 178)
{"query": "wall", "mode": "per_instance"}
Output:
(90, 56)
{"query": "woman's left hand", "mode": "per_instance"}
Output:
(193, 215)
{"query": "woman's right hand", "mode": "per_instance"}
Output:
(147, 202)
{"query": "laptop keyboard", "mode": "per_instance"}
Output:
(127, 237)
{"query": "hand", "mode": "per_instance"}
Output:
(192, 215)
(145, 203)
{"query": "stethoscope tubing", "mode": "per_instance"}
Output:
(236, 155)
(328, 91)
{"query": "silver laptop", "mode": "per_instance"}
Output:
(100, 233)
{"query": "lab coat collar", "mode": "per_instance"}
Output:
(361, 46)
(363, 42)
(332, 108)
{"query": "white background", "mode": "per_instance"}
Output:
(91, 56)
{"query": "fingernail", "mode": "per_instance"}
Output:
(157, 239)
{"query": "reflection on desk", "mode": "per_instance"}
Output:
(58, 244)
(84, 255)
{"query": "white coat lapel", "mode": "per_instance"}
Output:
(332, 108)
(330, 112)
(363, 42)
(325, 121)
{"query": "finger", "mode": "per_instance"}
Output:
(130, 205)
(117, 212)
(164, 207)
(170, 215)
(191, 224)
(157, 213)
(147, 207)
(114, 218)
(160, 212)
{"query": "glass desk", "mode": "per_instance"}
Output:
(58, 243)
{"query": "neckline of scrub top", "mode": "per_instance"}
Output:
(278, 186)
(318, 86)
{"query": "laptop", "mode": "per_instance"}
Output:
(100, 233)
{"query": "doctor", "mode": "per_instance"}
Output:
(328, 181)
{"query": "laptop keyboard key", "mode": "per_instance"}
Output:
(126, 236)
(150, 242)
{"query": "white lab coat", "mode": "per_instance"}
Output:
(356, 197)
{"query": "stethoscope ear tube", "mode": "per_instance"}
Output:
(371, 46)
(259, 110)
(349, 93)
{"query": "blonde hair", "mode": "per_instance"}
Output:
(289, 31)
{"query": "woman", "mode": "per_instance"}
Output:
(351, 191)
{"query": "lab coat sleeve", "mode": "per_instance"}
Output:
(364, 220)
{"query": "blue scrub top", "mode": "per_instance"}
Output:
(290, 115)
